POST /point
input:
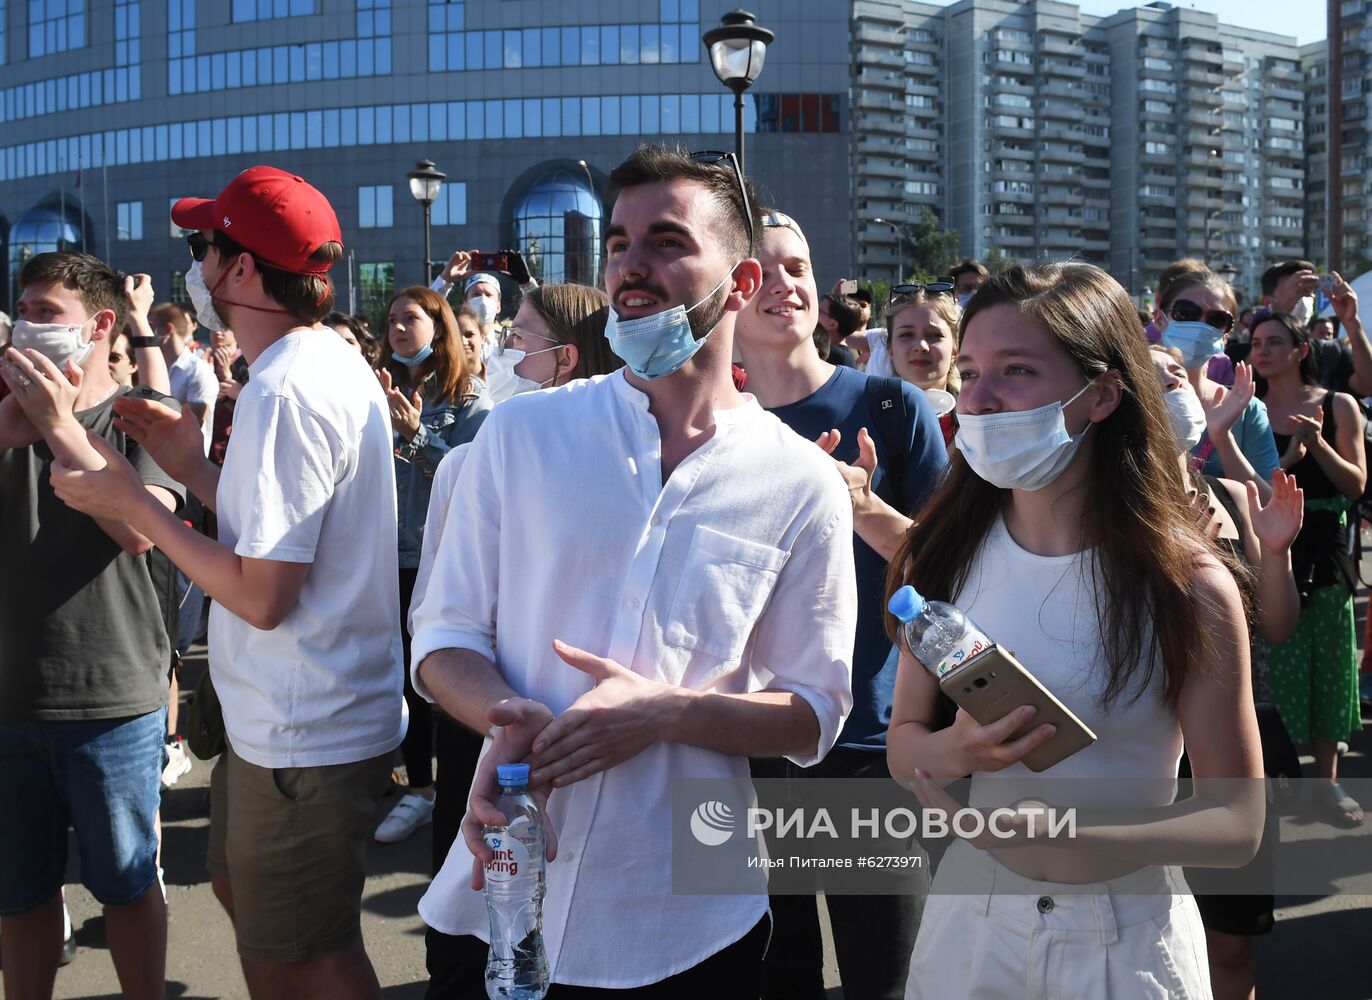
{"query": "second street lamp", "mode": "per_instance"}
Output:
(426, 181)
(738, 48)
(901, 237)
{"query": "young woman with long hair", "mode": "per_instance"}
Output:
(436, 404)
(1063, 530)
(1315, 672)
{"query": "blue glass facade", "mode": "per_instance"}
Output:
(124, 103)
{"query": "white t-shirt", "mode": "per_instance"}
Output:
(192, 381)
(309, 477)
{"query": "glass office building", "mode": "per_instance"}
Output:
(112, 109)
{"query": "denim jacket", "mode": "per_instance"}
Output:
(442, 426)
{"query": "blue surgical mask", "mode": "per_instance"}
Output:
(1197, 341)
(415, 359)
(658, 345)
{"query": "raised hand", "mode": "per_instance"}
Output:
(45, 393)
(1277, 524)
(458, 266)
(1344, 300)
(857, 477)
(1226, 406)
(138, 290)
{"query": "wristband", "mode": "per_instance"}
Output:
(140, 342)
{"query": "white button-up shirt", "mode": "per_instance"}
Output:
(733, 576)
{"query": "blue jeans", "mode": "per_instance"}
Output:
(101, 777)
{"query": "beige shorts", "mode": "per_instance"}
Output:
(1137, 937)
(293, 842)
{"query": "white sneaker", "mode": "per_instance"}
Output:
(408, 815)
(178, 763)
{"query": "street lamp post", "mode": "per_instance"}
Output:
(426, 181)
(738, 48)
(901, 237)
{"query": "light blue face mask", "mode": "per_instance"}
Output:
(658, 345)
(415, 359)
(1197, 341)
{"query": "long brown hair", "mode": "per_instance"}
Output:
(447, 364)
(1146, 544)
(576, 315)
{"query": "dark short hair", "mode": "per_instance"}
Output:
(846, 313)
(96, 284)
(863, 295)
(1309, 367)
(656, 164)
(1283, 268)
(307, 297)
(968, 266)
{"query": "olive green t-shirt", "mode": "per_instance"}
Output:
(81, 636)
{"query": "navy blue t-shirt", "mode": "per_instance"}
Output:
(842, 403)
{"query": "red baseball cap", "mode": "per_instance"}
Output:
(278, 216)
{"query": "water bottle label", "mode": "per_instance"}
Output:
(511, 853)
(971, 645)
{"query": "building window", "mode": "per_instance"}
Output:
(269, 10)
(374, 207)
(375, 285)
(4, 35)
(176, 288)
(451, 207)
(129, 221)
(56, 26)
(557, 227)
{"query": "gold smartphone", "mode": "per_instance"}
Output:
(993, 683)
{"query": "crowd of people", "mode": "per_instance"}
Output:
(647, 532)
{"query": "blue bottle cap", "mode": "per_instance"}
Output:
(512, 774)
(906, 604)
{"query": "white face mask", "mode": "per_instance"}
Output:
(485, 308)
(202, 301)
(58, 342)
(1020, 449)
(1303, 310)
(502, 381)
(1187, 416)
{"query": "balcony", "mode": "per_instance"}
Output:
(1288, 75)
(885, 58)
(1196, 51)
(1282, 92)
(880, 34)
(1197, 97)
(880, 102)
(1066, 70)
(1059, 88)
(882, 81)
(1054, 45)
(1017, 241)
(884, 168)
(923, 88)
(889, 125)
(1001, 151)
(882, 190)
(870, 145)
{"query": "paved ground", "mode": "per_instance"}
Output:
(1318, 949)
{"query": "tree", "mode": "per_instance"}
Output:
(932, 249)
(997, 260)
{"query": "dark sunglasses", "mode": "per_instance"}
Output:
(199, 245)
(1186, 311)
(719, 156)
(933, 288)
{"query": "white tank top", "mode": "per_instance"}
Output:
(1043, 609)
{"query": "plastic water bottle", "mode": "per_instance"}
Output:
(516, 880)
(940, 635)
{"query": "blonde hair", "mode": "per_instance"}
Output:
(946, 308)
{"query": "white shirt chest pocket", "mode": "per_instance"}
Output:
(724, 586)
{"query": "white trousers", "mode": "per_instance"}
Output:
(1138, 937)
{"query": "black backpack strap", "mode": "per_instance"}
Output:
(886, 402)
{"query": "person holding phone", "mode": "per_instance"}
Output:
(481, 289)
(1063, 530)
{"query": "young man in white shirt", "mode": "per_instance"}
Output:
(304, 638)
(192, 379)
(674, 577)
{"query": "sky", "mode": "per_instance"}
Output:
(1303, 18)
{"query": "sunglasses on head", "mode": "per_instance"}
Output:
(1186, 311)
(933, 288)
(719, 156)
